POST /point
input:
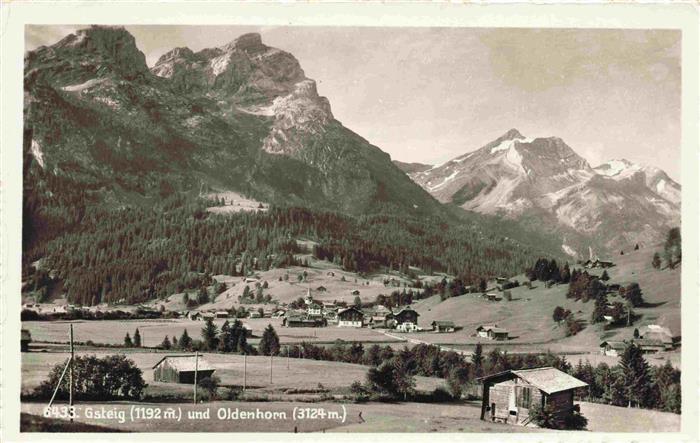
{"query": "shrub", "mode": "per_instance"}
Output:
(575, 421)
(543, 416)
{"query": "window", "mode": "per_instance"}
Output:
(524, 397)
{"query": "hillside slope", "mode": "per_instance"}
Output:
(529, 316)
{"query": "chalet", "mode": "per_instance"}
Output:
(651, 345)
(660, 333)
(613, 348)
(508, 396)
(492, 332)
(24, 340)
(278, 313)
(208, 316)
(350, 317)
(329, 306)
(492, 296)
(590, 264)
(379, 321)
(254, 314)
(301, 321)
(181, 369)
(192, 315)
(314, 309)
(221, 314)
(443, 326)
(321, 289)
(406, 315)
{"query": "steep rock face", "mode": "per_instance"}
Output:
(242, 116)
(544, 180)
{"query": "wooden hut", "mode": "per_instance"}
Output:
(181, 369)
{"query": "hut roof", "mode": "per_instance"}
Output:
(444, 323)
(550, 380)
(185, 363)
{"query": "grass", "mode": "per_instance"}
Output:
(302, 373)
(154, 330)
(529, 316)
(38, 423)
(606, 418)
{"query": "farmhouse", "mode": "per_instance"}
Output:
(350, 317)
(656, 332)
(598, 264)
(443, 326)
(492, 296)
(314, 309)
(613, 348)
(24, 340)
(492, 332)
(221, 314)
(381, 320)
(406, 315)
(300, 321)
(181, 369)
(651, 345)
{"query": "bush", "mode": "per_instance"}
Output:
(575, 421)
(543, 417)
(109, 378)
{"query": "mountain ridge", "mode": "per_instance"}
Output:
(526, 178)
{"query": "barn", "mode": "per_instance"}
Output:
(508, 396)
(443, 326)
(350, 317)
(613, 348)
(181, 369)
(492, 332)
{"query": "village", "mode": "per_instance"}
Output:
(326, 313)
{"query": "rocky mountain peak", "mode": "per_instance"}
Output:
(249, 43)
(113, 43)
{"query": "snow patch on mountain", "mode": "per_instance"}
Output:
(37, 153)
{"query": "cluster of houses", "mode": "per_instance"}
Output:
(652, 339)
(596, 263)
(318, 314)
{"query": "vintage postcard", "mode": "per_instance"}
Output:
(261, 218)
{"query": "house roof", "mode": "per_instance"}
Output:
(446, 323)
(647, 342)
(351, 308)
(406, 309)
(550, 380)
(614, 344)
(487, 327)
(185, 363)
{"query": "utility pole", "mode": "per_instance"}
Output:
(244, 371)
(70, 375)
(196, 369)
(287, 357)
(270, 368)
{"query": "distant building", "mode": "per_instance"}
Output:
(302, 321)
(651, 345)
(443, 326)
(254, 314)
(181, 369)
(24, 340)
(590, 264)
(355, 292)
(384, 321)
(406, 315)
(221, 314)
(192, 315)
(350, 317)
(492, 296)
(657, 332)
(492, 332)
(321, 289)
(508, 396)
(314, 309)
(612, 348)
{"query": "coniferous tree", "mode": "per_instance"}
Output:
(605, 276)
(166, 343)
(137, 338)
(478, 360)
(672, 248)
(635, 375)
(656, 261)
(185, 342)
(209, 335)
(127, 341)
(633, 293)
(270, 342)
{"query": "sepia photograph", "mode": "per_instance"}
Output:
(351, 229)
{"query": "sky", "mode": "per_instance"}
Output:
(430, 94)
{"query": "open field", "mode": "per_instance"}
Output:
(302, 373)
(378, 417)
(154, 330)
(605, 418)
